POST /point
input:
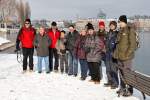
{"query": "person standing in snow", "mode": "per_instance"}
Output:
(102, 35)
(93, 47)
(81, 54)
(54, 35)
(111, 69)
(63, 53)
(70, 45)
(125, 51)
(41, 43)
(26, 37)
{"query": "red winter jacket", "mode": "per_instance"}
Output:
(54, 37)
(26, 36)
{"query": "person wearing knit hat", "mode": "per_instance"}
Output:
(101, 24)
(101, 28)
(125, 52)
(25, 38)
(93, 44)
(102, 35)
(90, 26)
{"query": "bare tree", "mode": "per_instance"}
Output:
(23, 11)
(7, 9)
(20, 11)
(27, 10)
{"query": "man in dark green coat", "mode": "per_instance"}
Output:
(125, 49)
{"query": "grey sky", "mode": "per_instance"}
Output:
(69, 9)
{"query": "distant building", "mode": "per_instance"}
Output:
(80, 24)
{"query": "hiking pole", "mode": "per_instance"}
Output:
(19, 56)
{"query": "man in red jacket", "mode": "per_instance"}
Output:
(26, 37)
(54, 35)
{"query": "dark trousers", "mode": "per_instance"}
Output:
(84, 67)
(53, 53)
(111, 69)
(94, 71)
(64, 63)
(127, 65)
(28, 52)
(114, 73)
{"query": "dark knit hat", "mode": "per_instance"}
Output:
(28, 20)
(89, 26)
(54, 24)
(113, 23)
(123, 18)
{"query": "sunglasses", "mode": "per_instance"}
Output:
(27, 23)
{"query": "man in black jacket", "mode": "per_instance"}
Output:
(70, 44)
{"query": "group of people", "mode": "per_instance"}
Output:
(61, 50)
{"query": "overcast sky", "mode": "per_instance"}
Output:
(69, 9)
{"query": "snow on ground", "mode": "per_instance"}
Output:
(33, 86)
(2, 41)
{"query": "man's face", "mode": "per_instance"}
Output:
(71, 29)
(27, 24)
(122, 24)
(54, 27)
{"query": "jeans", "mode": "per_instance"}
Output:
(84, 67)
(46, 60)
(103, 59)
(111, 69)
(73, 65)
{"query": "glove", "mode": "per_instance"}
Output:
(87, 49)
(17, 46)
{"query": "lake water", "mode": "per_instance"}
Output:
(142, 58)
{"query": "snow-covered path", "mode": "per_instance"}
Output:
(54, 86)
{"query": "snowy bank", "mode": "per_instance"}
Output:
(33, 86)
(2, 41)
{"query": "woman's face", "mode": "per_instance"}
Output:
(41, 30)
(83, 32)
(90, 31)
(112, 27)
(102, 28)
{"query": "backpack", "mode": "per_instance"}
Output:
(137, 38)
